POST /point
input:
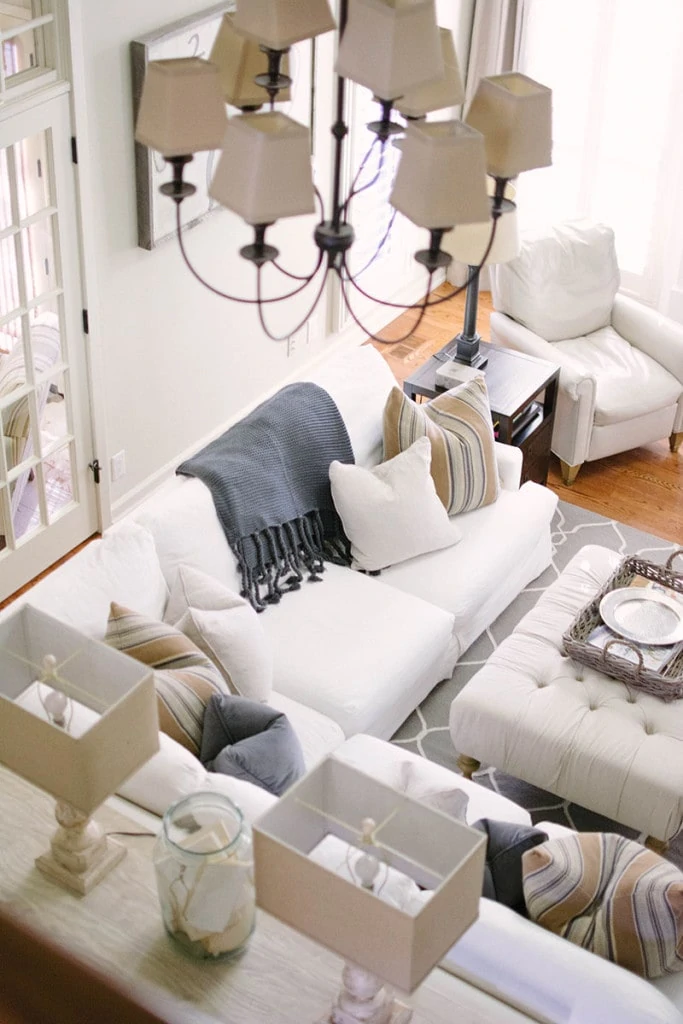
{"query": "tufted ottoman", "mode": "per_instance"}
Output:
(567, 728)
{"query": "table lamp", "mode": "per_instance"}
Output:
(347, 913)
(467, 243)
(77, 718)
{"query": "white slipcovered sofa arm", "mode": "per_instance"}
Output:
(523, 963)
(651, 332)
(509, 461)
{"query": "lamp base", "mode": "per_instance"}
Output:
(466, 350)
(364, 1000)
(80, 853)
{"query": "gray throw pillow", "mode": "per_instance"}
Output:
(503, 869)
(252, 741)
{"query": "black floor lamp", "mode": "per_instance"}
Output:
(467, 244)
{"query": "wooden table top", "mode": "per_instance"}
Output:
(283, 978)
(511, 377)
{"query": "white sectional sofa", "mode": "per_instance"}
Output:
(354, 656)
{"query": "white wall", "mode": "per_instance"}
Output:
(172, 363)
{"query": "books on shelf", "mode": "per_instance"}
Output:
(656, 657)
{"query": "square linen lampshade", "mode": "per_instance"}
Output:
(445, 91)
(436, 851)
(514, 114)
(181, 109)
(279, 24)
(390, 46)
(239, 60)
(77, 718)
(264, 172)
(441, 178)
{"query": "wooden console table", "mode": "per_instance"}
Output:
(522, 391)
(283, 978)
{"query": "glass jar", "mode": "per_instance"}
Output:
(204, 870)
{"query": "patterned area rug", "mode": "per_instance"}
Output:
(426, 731)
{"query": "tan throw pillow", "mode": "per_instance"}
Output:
(184, 679)
(458, 425)
(611, 896)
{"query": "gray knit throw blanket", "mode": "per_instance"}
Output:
(269, 477)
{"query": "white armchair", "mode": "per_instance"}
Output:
(621, 363)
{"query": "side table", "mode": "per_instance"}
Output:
(283, 978)
(522, 391)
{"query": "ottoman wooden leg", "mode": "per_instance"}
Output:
(657, 845)
(467, 765)
(675, 441)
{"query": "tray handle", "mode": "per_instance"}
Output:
(625, 643)
(670, 559)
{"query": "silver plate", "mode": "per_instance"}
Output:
(645, 615)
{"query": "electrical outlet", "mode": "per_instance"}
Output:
(118, 465)
(298, 340)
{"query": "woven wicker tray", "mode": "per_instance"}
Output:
(668, 685)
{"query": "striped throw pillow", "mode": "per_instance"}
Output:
(458, 425)
(610, 895)
(185, 679)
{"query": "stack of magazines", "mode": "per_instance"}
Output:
(656, 657)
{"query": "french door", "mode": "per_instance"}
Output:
(47, 495)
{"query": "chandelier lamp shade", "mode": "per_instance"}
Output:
(438, 93)
(394, 48)
(240, 61)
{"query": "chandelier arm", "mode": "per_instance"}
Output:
(259, 301)
(428, 302)
(226, 295)
(378, 250)
(353, 191)
(375, 337)
(303, 277)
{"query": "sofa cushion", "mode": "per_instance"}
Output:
(479, 577)
(122, 566)
(458, 425)
(184, 679)
(563, 282)
(611, 896)
(391, 512)
(226, 628)
(367, 654)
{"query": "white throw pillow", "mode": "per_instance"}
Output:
(226, 628)
(392, 512)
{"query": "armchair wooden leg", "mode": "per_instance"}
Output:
(659, 846)
(467, 765)
(569, 473)
(675, 441)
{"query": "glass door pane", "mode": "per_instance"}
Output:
(46, 494)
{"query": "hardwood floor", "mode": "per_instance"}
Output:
(642, 487)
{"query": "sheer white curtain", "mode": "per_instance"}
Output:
(616, 71)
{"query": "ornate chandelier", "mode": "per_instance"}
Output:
(395, 49)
